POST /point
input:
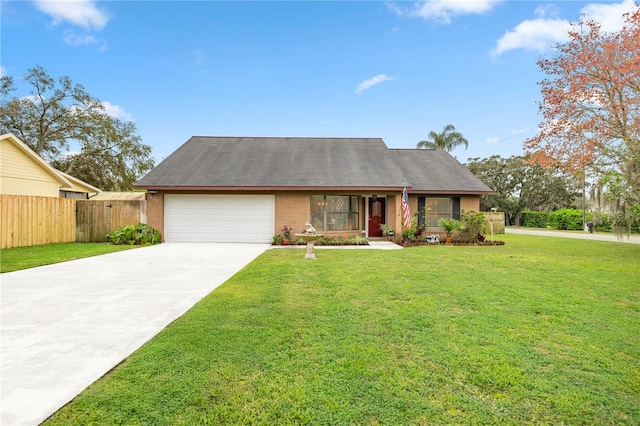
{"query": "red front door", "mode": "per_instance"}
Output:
(376, 216)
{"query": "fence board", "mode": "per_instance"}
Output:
(496, 220)
(97, 218)
(31, 220)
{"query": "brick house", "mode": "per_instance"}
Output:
(245, 189)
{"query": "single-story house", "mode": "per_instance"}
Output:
(246, 189)
(23, 172)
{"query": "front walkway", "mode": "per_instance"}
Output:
(633, 239)
(63, 326)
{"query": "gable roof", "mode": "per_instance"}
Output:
(31, 154)
(78, 185)
(67, 182)
(268, 162)
(436, 171)
(262, 163)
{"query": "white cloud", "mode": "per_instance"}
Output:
(546, 31)
(73, 39)
(116, 111)
(444, 10)
(514, 133)
(609, 15)
(535, 34)
(82, 13)
(368, 84)
(3, 71)
(547, 10)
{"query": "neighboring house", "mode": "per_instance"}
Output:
(245, 189)
(23, 172)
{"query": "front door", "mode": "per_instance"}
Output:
(376, 216)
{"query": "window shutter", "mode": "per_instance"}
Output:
(456, 207)
(421, 202)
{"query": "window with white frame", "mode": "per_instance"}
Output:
(435, 209)
(335, 212)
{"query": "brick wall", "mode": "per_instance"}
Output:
(292, 210)
(155, 212)
(470, 202)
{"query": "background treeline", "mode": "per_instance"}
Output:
(538, 197)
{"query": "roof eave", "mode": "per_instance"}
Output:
(269, 188)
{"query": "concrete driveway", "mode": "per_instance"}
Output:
(63, 326)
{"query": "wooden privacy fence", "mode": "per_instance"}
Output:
(32, 220)
(29, 221)
(495, 220)
(96, 219)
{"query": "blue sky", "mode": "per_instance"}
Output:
(395, 70)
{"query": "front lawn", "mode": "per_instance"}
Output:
(538, 331)
(17, 258)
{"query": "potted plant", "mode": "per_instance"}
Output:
(286, 234)
(450, 226)
(387, 230)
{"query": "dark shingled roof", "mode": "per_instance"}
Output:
(306, 163)
(435, 170)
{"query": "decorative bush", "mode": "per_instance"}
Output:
(450, 225)
(474, 225)
(139, 234)
(533, 219)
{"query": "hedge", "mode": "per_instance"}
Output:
(533, 219)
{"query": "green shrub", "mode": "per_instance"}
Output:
(139, 234)
(474, 225)
(533, 219)
(568, 219)
(603, 222)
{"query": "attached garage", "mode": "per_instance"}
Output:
(219, 218)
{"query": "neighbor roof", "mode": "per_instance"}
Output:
(267, 162)
(436, 171)
(68, 182)
(260, 163)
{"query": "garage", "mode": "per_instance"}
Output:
(219, 218)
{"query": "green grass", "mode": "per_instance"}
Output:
(539, 331)
(14, 259)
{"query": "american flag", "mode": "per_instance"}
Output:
(406, 214)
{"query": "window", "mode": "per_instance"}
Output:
(335, 212)
(432, 209)
(76, 195)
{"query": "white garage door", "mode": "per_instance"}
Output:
(219, 218)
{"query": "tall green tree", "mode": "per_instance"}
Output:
(69, 128)
(446, 140)
(518, 185)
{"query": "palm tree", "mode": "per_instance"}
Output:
(447, 140)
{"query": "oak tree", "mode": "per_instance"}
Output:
(71, 129)
(518, 185)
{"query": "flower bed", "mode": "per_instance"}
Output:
(333, 241)
(453, 243)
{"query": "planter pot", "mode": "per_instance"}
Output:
(286, 242)
(448, 240)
